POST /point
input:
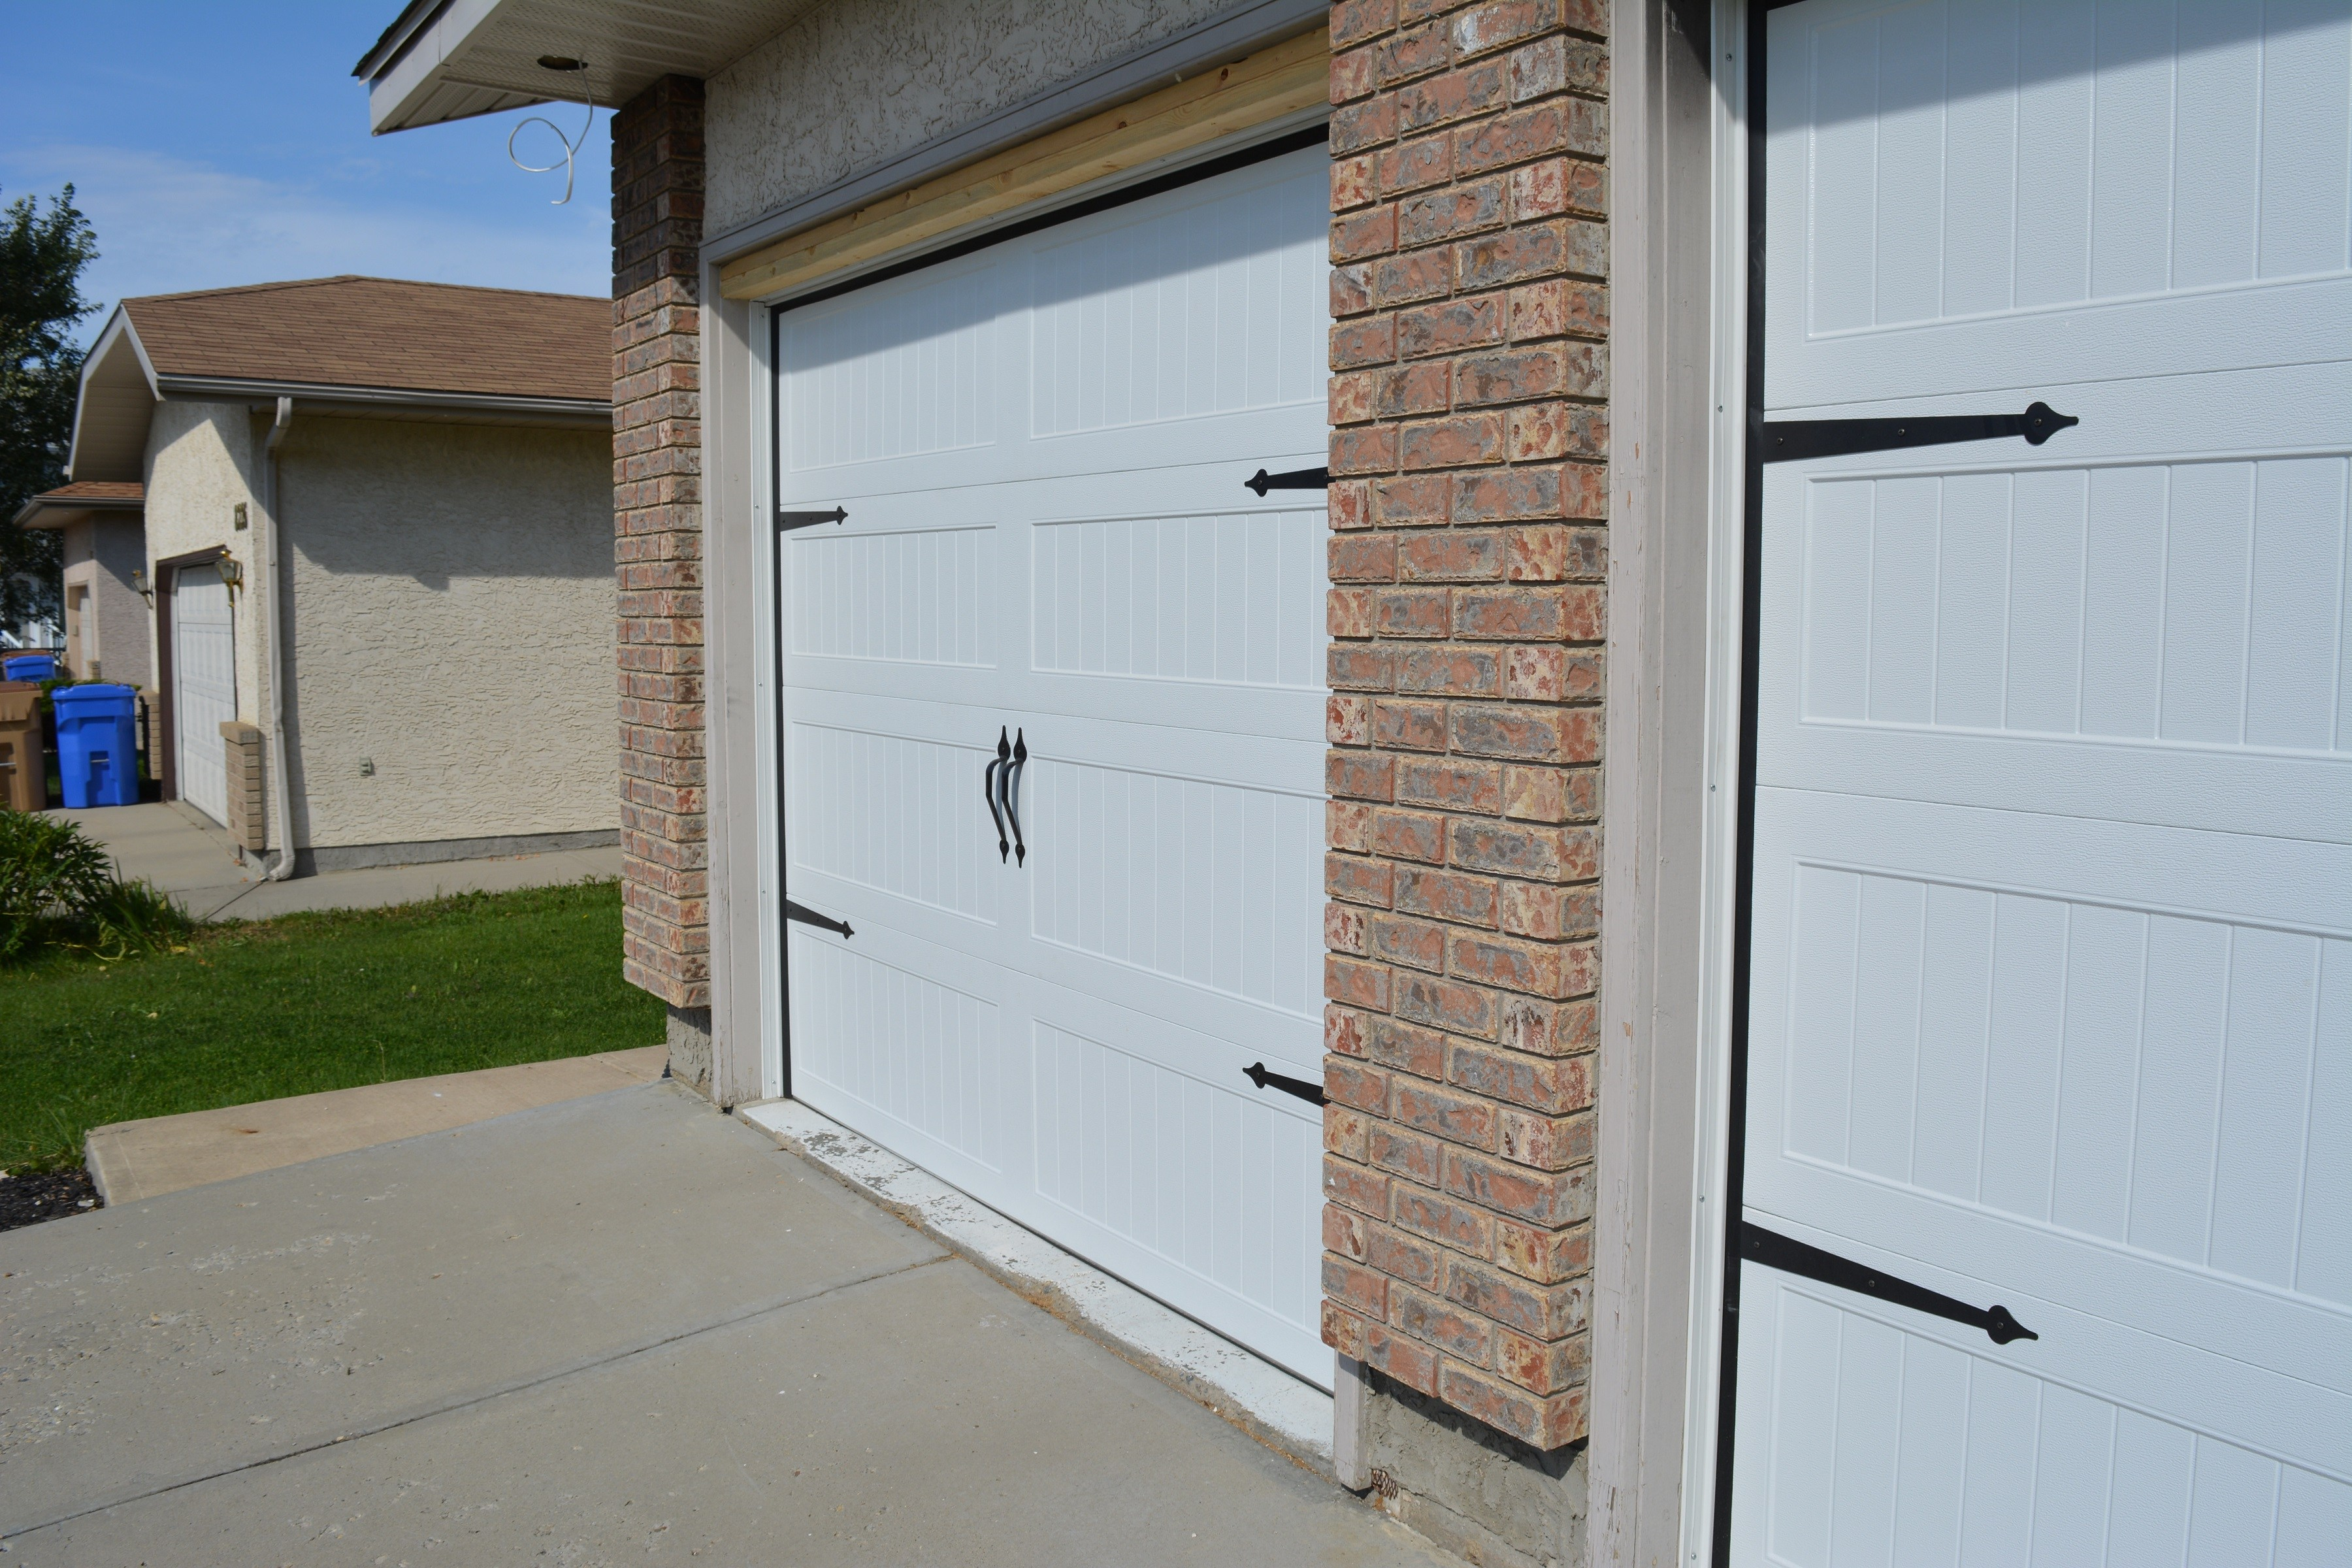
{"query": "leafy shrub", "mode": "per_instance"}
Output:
(54, 883)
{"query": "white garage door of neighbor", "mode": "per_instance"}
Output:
(203, 686)
(1040, 448)
(2051, 1003)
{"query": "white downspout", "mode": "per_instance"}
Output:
(273, 630)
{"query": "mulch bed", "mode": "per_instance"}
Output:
(28, 1197)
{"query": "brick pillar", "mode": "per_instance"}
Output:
(658, 525)
(241, 748)
(1468, 503)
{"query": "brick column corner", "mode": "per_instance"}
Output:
(657, 158)
(1468, 505)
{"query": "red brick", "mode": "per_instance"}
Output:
(1346, 1081)
(1344, 1233)
(1415, 164)
(1408, 726)
(1480, 28)
(1361, 667)
(1543, 853)
(1370, 341)
(1516, 375)
(1449, 327)
(1552, 1029)
(1352, 1184)
(1522, 734)
(1343, 1030)
(1439, 1323)
(1411, 612)
(1353, 773)
(1559, 307)
(1353, 1285)
(1446, 1005)
(1355, 181)
(1416, 500)
(1425, 388)
(1348, 503)
(1411, 53)
(1448, 785)
(1344, 1131)
(1539, 1311)
(1348, 399)
(1457, 1118)
(1504, 493)
(1542, 674)
(1404, 1047)
(1537, 968)
(1417, 1158)
(1447, 895)
(1404, 1359)
(1547, 1143)
(1358, 881)
(1541, 1422)
(1353, 21)
(1457, 210)
(1348, 613)
(1358, 984)
(1408, 836)
(1366, 450)
(1452, 443)
(1343, 1331)
(1403, 1258)
(1343, 930)
(1542, 1254)
(1370, 558)
(1556, 1198)
(1554, 1085)
(1545, 913)
(1539, 1366)
(1551, 794)
(1451, 556)
(1347, 720)
(1347, 824)
(1357, 126)
(1435, 100)
(1371, 232)
(1414, 943)
(1449, 671)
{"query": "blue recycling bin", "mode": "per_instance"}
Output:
(97, 745)
(28, 667)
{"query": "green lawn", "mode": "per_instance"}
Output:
(311, 1002)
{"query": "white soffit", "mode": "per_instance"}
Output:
(457, 59)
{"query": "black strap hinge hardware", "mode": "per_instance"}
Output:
(788, 520)
(1790, 1256)
(1791, 440)
(1295, 480)
(807, 916)
(1312, 1093)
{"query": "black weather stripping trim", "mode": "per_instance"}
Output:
(1312, 1093)
(1790, 440)
(788, 520)
(807, 916)
(1774, 1250)
(1295, 480)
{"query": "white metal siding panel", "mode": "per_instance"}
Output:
(2052, 995)
(1040, 448)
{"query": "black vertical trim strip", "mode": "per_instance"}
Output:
(1751, 597)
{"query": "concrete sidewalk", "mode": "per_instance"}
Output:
(171, 846)
(626, 1324)
(128, 1161)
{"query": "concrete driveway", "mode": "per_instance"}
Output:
(623, 1327)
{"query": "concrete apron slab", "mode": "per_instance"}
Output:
(621, 1324)
(1261, 1398)
(129, 1161)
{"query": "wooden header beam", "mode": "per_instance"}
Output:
(1289, 77)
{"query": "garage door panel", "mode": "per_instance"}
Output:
(1226, 597)
(1151, 1140)
(1897, 1444)
(906, 595)
(1157, 316)
(1961, 161)
(911, 367)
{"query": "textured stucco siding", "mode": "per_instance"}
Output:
(202, 460)
(101, 552)
(819, 101)
(451, 606)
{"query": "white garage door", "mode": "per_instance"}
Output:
(2052, 987)
(1041, 448)
(203, 686)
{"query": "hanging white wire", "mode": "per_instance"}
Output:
(571, 145)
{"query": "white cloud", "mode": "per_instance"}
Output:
(166, 225)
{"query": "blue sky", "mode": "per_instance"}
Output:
(222, 141)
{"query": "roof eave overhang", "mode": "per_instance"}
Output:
(41, 515)
(106, 376)
(224, 388)
(422, 67)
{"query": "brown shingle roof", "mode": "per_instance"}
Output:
(96, 492)
(382, 332)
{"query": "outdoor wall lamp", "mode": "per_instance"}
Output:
(140, 586)
(232, 573)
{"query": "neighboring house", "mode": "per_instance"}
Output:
(105, 545)
(377, 548)
(1800, 813)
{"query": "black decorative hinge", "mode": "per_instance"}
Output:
(1295, 480)
(1790, 1256)
(1788, 440)
(807, 916)
(788, 520)
(1312, 1093)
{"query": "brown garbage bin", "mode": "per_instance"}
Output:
(23, 770)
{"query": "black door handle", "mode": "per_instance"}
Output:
(1009, 787)
(988, 785)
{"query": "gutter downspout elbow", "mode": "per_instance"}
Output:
(274, 627)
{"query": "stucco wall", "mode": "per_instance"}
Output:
(200, 463)
(451, 603)
(819, 102)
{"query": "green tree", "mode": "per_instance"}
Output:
(42, 254)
